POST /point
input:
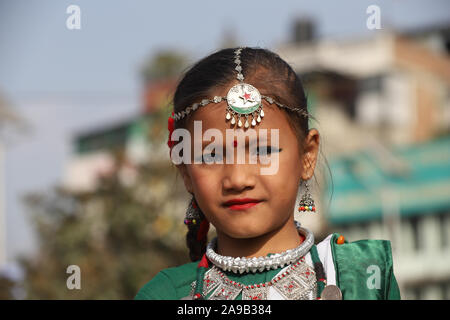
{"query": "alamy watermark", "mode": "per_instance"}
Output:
(261, 149)
(374, 280)
(374, 20)
(73, 22)
(74, 280)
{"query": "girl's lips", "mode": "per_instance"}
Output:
(241, 204)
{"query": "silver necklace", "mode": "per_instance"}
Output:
(298, 282)
(278, 260)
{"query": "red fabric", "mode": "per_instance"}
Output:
(203, 262)
(302, 237)
(203, 230)
(170, 127)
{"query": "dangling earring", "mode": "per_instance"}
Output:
(194, 217)
(192, 213)
(306, 203)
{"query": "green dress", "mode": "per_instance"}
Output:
(363, 270)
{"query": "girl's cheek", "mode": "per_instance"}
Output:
(205, 184)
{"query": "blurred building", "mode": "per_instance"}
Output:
(383, 110)
(386, 87)
(97, 152)
(10, 122)
(132, 142)
(407, 202)
(135, 152)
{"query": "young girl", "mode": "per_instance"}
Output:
(253, 103)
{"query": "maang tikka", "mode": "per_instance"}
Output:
(306, 203)
(243, 101)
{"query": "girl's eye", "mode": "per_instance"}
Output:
(211, 158)
(268, 149)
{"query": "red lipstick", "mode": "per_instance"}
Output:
(241, 204)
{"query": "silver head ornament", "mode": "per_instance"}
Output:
(244, 101)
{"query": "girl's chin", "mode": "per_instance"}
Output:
(245, 233)
(246, 226)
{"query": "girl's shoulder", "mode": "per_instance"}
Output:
(362, 269)
(169, 284)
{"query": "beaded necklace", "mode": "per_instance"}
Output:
(210, 277)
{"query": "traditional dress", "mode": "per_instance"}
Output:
(361, 270)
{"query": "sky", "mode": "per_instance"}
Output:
(65, 81)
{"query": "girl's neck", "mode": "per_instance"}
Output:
(276, 241)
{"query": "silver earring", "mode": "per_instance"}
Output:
(192, 213)
(306, 203)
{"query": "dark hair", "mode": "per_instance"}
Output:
(196, 244)
(262, 68)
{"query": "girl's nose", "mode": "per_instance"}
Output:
(238, 177)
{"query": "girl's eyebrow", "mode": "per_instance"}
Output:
(254, 140)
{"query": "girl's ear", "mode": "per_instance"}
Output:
(312, 141)
(186, 177)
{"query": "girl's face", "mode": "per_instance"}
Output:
(215, 184)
